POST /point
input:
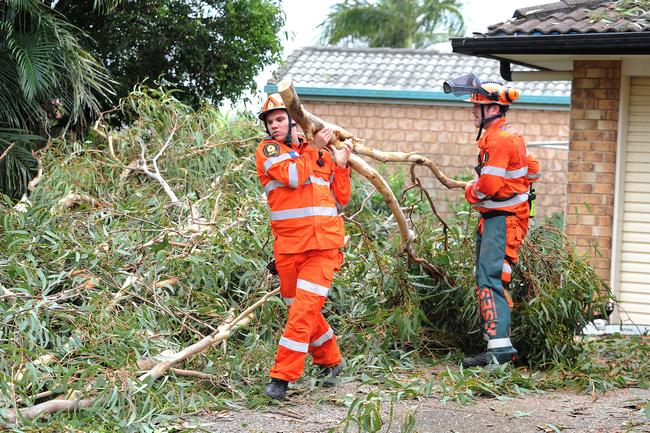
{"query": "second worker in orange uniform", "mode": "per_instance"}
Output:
(501, 192)
(304, 183)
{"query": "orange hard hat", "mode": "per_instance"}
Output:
(493, 92)
(272, 103)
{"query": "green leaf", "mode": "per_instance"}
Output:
(159, 246)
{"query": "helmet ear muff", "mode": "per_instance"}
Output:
(511, 94)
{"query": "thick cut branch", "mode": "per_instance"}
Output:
(380, 184)
(311, 124)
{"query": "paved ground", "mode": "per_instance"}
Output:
(314, 411)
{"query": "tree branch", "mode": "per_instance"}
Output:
(156, 173)
(47, 408)
(222, 333)
(311, 124)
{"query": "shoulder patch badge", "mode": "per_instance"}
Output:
(271, 150)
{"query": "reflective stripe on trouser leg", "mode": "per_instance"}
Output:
(323, 346)
(324, 349)
(493, 301)
(306, 324)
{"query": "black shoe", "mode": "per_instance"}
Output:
(277, 388)
(488, 357)
(327, 376)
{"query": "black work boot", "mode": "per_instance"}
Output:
(327, 376)
(277, 388)
(488, 357)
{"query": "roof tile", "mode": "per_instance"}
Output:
(396, 69)
(570, 16)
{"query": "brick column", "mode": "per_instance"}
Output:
(592, 159)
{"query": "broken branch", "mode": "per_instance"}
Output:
(47, 408)
(222, 333)
(311, 124)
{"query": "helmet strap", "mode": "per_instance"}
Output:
(287, 139)
(485, 121)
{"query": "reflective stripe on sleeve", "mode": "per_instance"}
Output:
(534, 175)
(502, 172)
(274, 184)
(316, 180)
(312, 287)
(275, 160)
(513, 174)
(303, 212)
(494, 171)
(497, 343)
(506, 268)
(288, 301)
(491, 204)
(479, 194)
(293, 175)
(296, 346)
(323, 338)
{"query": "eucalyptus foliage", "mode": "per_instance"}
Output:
(84, 285)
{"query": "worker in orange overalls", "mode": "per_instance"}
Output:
(501, 193)
(304, 183)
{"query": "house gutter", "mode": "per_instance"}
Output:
(616, 43)
(383, 95)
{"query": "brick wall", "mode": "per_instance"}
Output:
(446, 135)
(592, 159)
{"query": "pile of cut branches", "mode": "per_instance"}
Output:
(146, 243)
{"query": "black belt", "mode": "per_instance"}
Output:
(495, 213)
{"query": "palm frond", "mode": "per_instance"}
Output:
(442, 15)
(357, 20)
(105, 6)
(18, 166)
(41, 56)
(393, 23)
(33, 54)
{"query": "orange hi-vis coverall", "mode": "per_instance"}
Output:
(303, 187)
(500, 193)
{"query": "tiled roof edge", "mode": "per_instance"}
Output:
(415, 95)
(372, 50)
